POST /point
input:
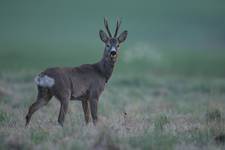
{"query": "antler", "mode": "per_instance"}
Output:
(107, 27)
(118, 22)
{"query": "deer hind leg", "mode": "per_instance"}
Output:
(86, 109)
(63, 96)
(94, 110)
(43, 98)
(63, 111)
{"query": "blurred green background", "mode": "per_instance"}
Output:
(165, 37)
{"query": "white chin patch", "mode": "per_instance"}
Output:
(113, 56)
(44, 81)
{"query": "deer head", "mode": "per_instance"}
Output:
(112, 44)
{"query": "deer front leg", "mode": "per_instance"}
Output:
(86, 109)
(63, 111)
(94, 110)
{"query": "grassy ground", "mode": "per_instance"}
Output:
(136, 112)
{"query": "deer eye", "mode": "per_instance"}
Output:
(117, 46)
(108, 45)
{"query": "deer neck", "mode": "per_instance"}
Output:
(105, 67)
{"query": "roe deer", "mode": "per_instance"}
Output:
(84, 83)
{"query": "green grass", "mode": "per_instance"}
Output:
(174, 62)
(3, 117)
(162, 112)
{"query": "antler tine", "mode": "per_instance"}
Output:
(107, 27)
(118, 22)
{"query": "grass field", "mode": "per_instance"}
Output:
(137, 111)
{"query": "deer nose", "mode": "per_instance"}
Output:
(113, 53)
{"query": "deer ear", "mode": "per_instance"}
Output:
(122, 37)
(103, 36)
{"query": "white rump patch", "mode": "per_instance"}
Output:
(44, 81)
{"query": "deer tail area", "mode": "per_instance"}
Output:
(44, 81)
